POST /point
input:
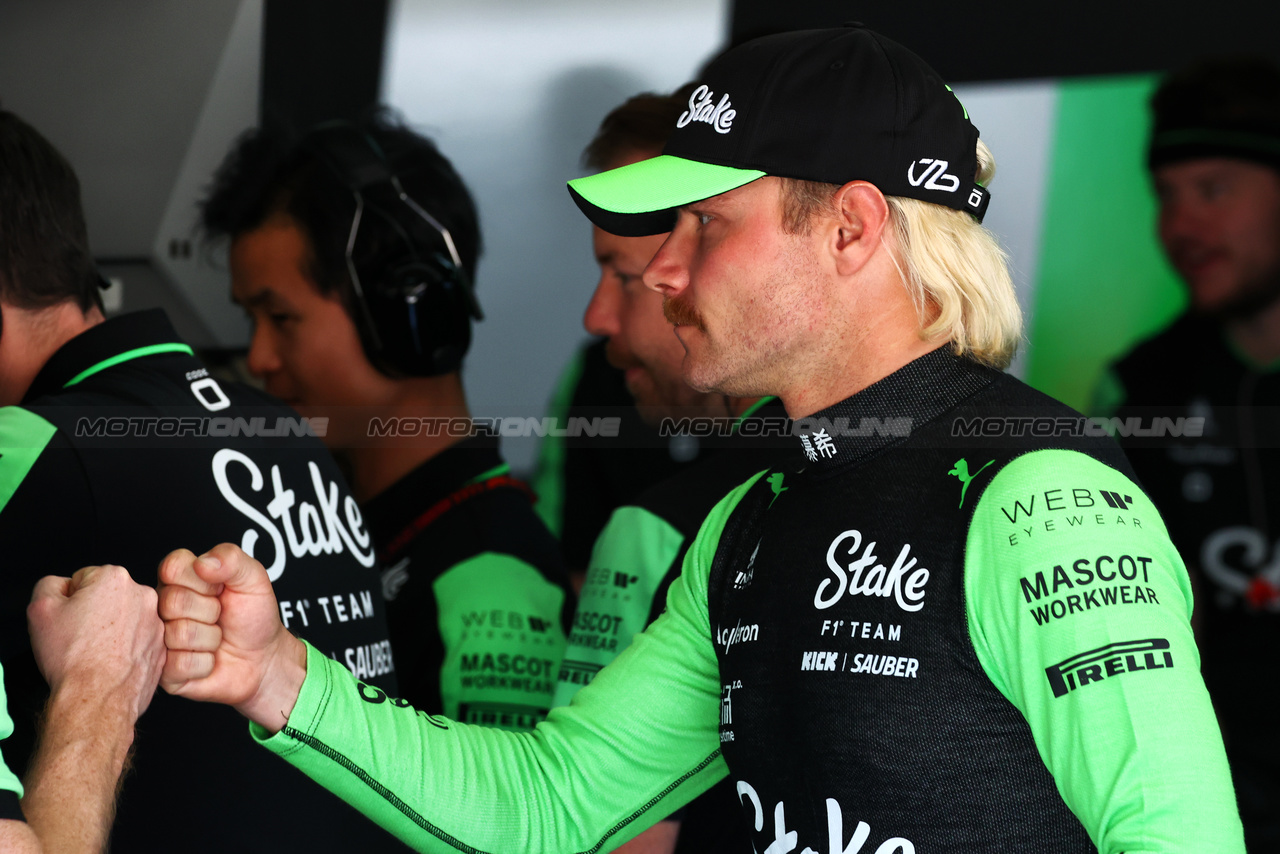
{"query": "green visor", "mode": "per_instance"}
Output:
(641, 199)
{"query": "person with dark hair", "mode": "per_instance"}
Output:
(95, 637)
(353, 249)
(1214, 157)
(911, 635)
(116, 445)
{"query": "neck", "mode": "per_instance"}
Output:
(30, 337)
(883, 336)
(1258, 336)
(739, 405)
(375, 468)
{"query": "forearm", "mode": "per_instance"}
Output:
(634, 746)
(73, 780)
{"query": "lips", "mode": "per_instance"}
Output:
(1193, 259)
(618, 356)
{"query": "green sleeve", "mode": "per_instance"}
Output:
(1079, 609)
(548, 472)
(23, 437)
(499, 621)
(641, 740)
(632, 555)
(9, 781)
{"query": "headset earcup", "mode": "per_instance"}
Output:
(423, 318)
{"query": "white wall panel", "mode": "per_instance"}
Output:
(512, 91)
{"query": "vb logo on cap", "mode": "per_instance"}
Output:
(935, 171)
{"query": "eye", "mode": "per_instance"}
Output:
(1215, 189)
(703, 218)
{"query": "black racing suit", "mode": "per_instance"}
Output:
(955, 625)
(635, 560)
(125, 449)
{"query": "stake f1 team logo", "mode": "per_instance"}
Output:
(1243, 565)
(934, 176)
(1114, 659)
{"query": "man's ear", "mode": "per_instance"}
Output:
(861, 216)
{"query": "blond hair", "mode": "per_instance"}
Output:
(954, 269)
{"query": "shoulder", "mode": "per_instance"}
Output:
(685, 499)
(25, 436)
(1179, 350)
(501, 522)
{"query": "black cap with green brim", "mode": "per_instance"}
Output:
(1218, 107)
(833, 105)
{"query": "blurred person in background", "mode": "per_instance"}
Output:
(353, 249)
(1214, 157)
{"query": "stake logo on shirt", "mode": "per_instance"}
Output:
(319, 529)
(907, 589)
(782, 840)
(1244, 566)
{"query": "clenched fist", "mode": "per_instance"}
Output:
(98, 632)
(225, 639)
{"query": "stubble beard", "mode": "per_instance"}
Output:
(741, 363)
(1255, 297)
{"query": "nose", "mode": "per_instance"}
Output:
(263, 359)
(1180, 218)
(601, 316)
(668, 271)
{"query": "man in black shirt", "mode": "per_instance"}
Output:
(116, 446)
(1215, 160)
(353, 249)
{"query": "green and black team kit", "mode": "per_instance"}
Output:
(124, 449)
(1202, 428)
(10, 785)
(583, 476)
(477, 596)
(636, 558)
(937, 631)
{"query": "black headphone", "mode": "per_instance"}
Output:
(415, 307)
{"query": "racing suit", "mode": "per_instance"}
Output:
(954, 625)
